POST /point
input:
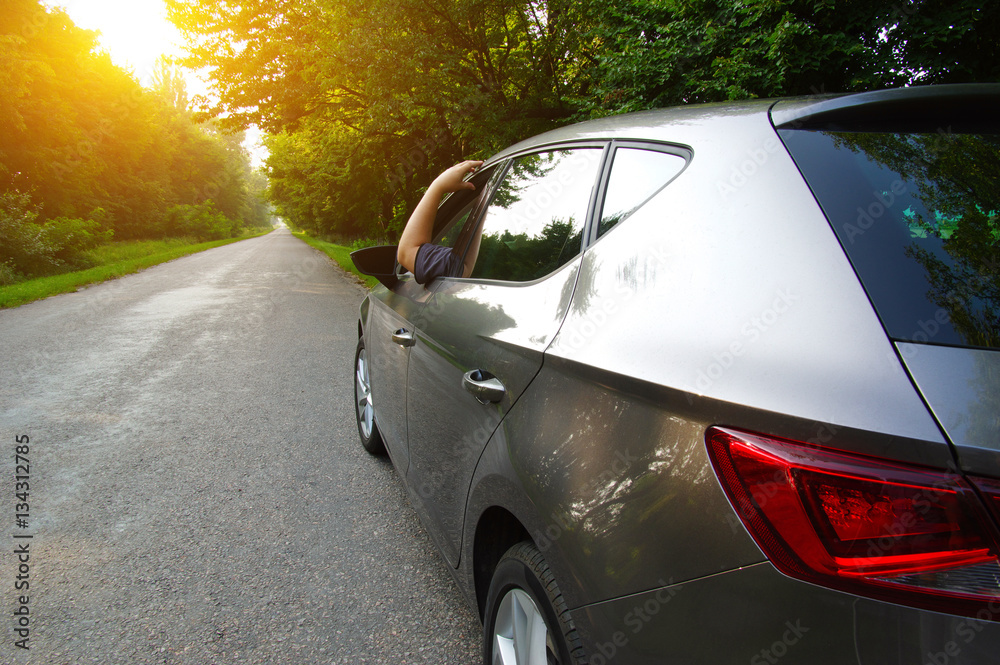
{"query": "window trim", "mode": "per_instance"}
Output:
(484, 193)
(448, 202)
(595, 205)
(505, 165)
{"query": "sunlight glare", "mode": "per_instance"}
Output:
(133, 32)
(137, 32)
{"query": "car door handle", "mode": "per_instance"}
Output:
(484, 386)
(404, 337)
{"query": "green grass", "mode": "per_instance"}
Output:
(113, 260)
(339, 253)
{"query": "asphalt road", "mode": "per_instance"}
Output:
(197, 492)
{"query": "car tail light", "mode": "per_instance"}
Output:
(892, 531)
(991, 491)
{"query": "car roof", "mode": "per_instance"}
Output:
(653, 125)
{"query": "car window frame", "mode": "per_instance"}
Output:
(488, 175)
(595, 206)
(676, 149)
(505, 164)
(452, 204)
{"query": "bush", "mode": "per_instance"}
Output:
(23, 243)
(70, 237)
(202, 221)
(362, 243)
(30, 249)
(8, 275)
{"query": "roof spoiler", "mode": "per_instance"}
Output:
(963, 108)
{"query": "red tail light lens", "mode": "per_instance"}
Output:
(991, 491)
(868, 526)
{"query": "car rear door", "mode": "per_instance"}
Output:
(480, 340)
(391, 331)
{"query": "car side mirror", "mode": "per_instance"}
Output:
(378, 262)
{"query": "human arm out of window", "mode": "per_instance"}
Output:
(419, 228)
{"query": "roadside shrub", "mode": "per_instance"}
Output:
(8, 275)
(202, 221)
(29, 249)
(23, 244)
(71, 237)
(362, 243)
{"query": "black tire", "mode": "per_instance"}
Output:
(523, 585)
(371, 438)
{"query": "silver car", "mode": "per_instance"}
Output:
(723, 385)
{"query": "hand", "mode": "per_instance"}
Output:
(453, 179)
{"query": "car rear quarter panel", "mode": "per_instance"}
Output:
(737, 289)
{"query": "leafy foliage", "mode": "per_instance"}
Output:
(22, 245)
(663, 53)
(521, 258)
(27, 247)
(202, 221)
(366, 102)
(87, 153)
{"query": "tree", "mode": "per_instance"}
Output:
(663, 53)
(168, 81)
(366, 102)
(386, 94)
(86, 151)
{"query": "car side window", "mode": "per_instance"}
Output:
(534, 223)
(637, 175)
(455, 224)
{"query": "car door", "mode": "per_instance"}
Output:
(480, 339)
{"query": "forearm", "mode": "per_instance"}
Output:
(420, 227)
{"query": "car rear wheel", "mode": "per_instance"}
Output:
(371, 438)
(526, 620)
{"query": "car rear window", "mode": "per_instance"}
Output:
(535, 221)
(917, 215)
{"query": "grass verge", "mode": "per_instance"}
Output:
(114, 260)
(339, 253)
